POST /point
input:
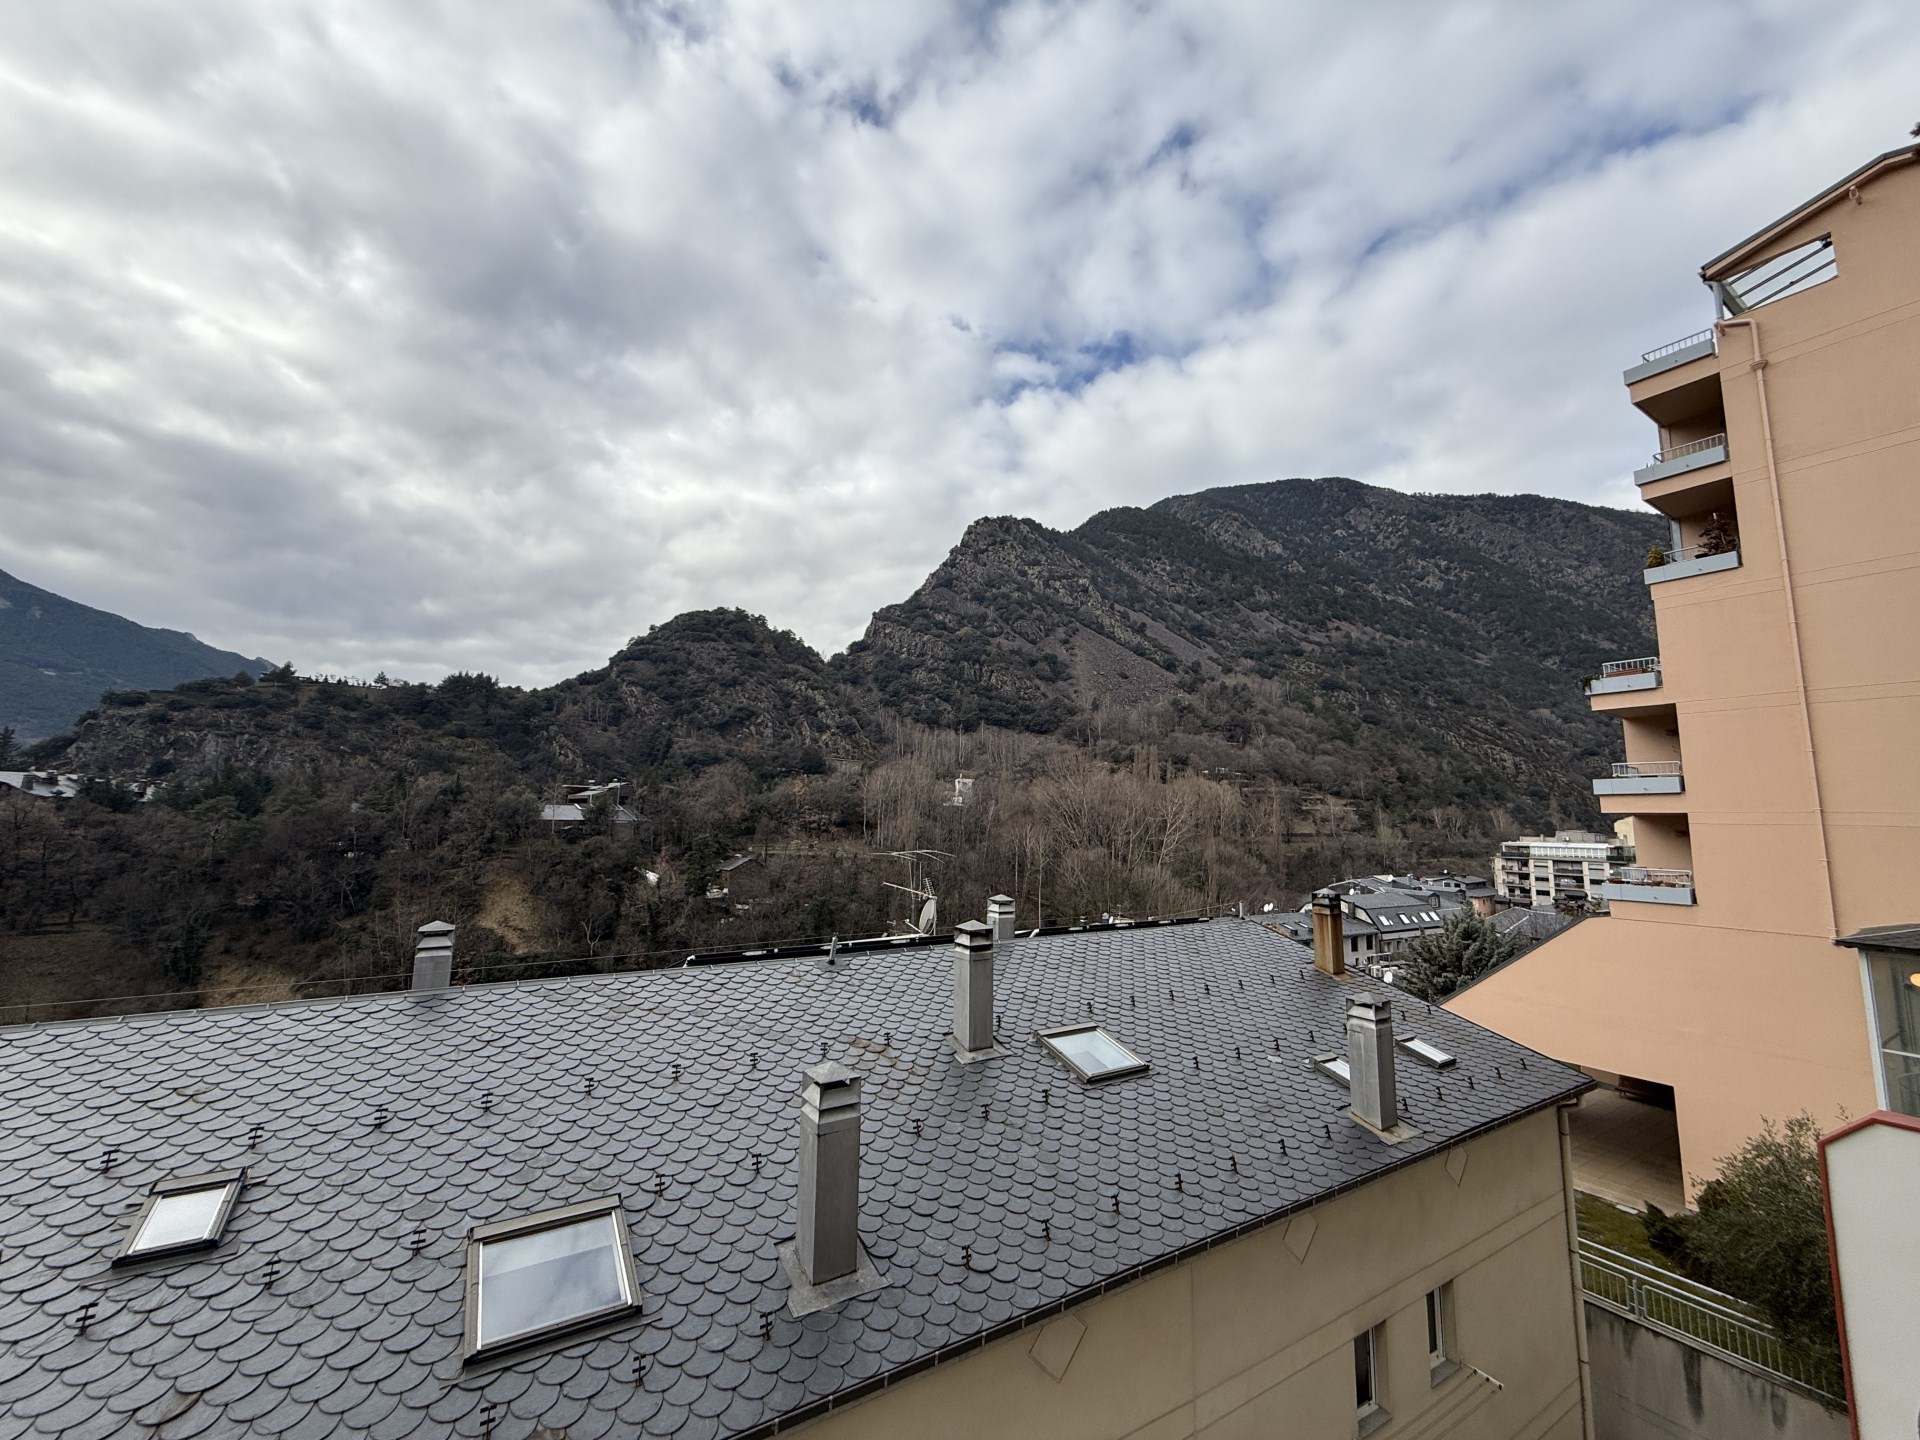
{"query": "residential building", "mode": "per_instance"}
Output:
(1769, 767)
(1870, 1172)
(1567, 867)
(1383, 914)
(576, 803)
(1087, 1182)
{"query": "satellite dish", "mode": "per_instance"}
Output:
(929, 916)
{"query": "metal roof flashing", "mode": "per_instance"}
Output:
(673, 1090)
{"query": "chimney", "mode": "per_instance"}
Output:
(1370, 1061)
(1327, 937)
(828, 1242)
(1000, 917)
(433, 956)
(972, 987)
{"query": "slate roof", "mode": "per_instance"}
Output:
(376, 1130)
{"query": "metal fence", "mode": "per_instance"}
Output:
(1681, 344)
(1644, 769)
(1642, 666)
(1651, 875)
(1692, 447)
(1697, 1314)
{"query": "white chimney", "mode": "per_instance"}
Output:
(1370, 1061)
(972, 987)
(1000, 917)
(433, 956)
(827, 1245)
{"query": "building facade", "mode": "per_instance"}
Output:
(1769, 766)
(1568, 867)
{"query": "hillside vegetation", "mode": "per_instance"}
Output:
(1230, 696)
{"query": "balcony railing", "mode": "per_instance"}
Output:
(1692, 447)
(1696, 346)
(1642, 777)
(1641, 769)
(1651, 875)
(1620, 675)
(1680, 459)
(1684, 560)
(1630, 667)
(1685, 342)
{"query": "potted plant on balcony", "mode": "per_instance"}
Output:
(1657, 556)
(1717, 537)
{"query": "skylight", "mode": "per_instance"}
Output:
(1335, 1068)
(186, 1212)
(1425, 1051)
(1091, 1053)
(546, 1274)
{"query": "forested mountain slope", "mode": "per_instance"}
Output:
(57, 657)
(1415, 650)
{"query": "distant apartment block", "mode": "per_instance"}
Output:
(1769, 764)
(1566, 867)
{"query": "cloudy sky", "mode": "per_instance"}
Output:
(430, 336)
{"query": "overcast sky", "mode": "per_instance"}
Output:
(430, 336)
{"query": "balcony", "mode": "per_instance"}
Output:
(1679, 459)
(1642, 777)
(1648, 885)
(1618, 676)
(1671, 356)
(1691, 560)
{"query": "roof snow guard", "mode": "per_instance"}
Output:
(382, 1138)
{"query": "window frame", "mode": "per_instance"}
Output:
(480, 1236)
(1441, 1362)
(1370, 1414)
(231, 1182)
(1123, 1072)
(1892, 1013)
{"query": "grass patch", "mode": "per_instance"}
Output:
(1605, 1223)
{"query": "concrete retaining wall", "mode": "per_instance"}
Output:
(1649, 1386)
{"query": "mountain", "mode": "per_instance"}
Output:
(1410, 654)
(57, 657)
(1422, 649)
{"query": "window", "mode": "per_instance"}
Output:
(1440, 1363)
(1368, 1391)
(184, 1213)
(1335, 1068)
(1425, 1051)
(528, 1279)
(1895, 983)
(1091, 1053)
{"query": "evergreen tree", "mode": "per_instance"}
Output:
(1466, 948)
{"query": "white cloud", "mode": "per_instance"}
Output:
(447, 336)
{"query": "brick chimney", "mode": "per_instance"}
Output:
(1328, 940)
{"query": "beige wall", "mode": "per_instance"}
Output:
(1249, 1340)
(1741, 1002)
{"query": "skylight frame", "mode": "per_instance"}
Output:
(627, 1269)
(1136, 1065)
(1426, 1052)
(228, 1182)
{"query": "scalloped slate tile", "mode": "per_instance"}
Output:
(1009, 1166)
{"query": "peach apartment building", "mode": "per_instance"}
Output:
(1771, 772)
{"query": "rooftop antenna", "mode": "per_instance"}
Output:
(920, 886)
